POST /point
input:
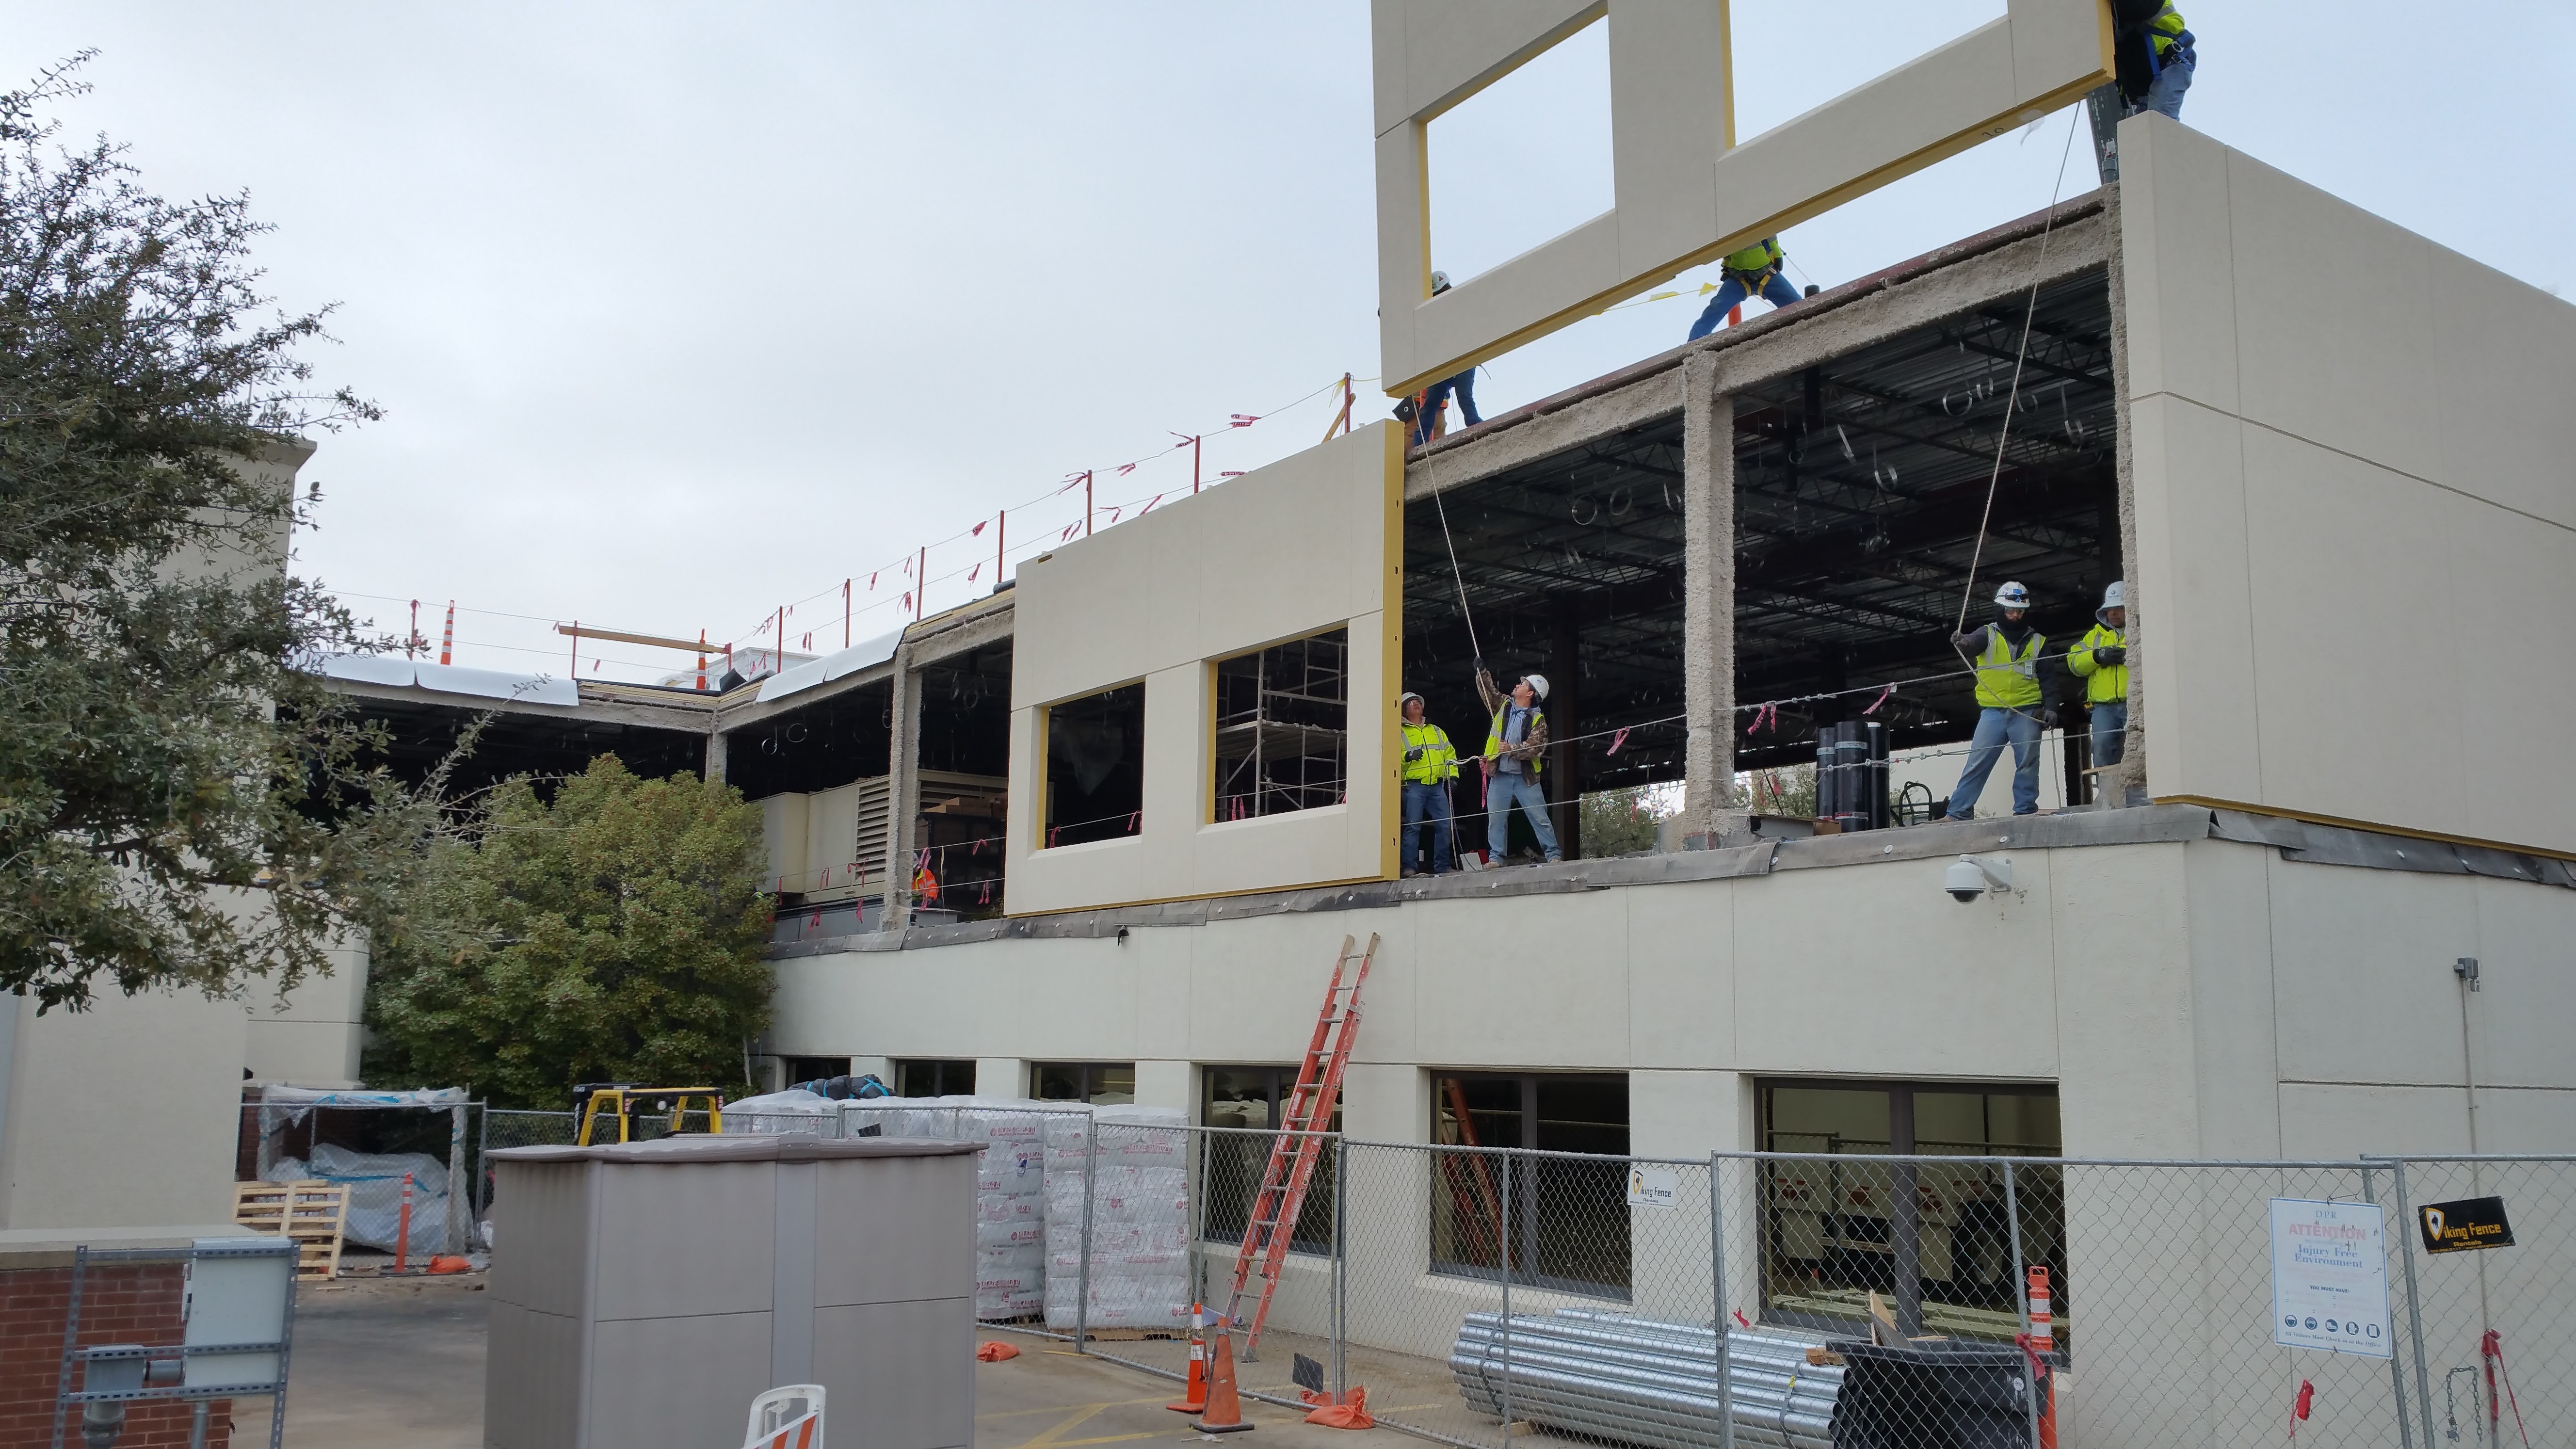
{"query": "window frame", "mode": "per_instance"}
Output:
(1213, 809)
(1524, 1175)
(1090, 1074)
(941, 1069)
(2041, 1203)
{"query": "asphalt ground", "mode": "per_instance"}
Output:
(398, 1364)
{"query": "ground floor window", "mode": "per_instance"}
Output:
(915, 1077)
(1569, 1218)
(1099, 1083)
(815, 1069)
(1932, 1239)
(1257, 1097)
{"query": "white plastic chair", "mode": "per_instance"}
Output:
(787, 1417)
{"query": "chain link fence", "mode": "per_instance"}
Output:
(1810, 1301)
(2496, 1324)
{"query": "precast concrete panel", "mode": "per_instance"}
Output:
(1304, 546)
(1686, 189)
(2526, 996)
(2324, 466)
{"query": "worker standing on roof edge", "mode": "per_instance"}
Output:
(1752, 272)
(1430, 764)
(2153, 56)
(1431, 405)
(2011, 705)
(2101, 660)
(1513, 745)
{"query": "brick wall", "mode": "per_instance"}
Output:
(120, 1303)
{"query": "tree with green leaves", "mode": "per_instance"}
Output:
(615, 932)
(180, 804)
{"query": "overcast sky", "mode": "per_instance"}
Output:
(682, 313)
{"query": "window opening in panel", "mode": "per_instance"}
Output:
(1283, 728)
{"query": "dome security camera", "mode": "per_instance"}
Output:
(1969, 878)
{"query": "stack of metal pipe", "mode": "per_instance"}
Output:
(1606, 1376)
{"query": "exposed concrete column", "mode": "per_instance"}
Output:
(716, 753)
(903, 787)
(2133, 759)
(1708, 597)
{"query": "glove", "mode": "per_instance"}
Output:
(2111, 654)
(2047, 717)
(1412, 755)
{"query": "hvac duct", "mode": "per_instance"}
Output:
(1646, 1382)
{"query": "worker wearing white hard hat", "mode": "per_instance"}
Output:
(1431, 406)
(2101, 660)
(2012, 708)
(1513, 747)
(1430, 764)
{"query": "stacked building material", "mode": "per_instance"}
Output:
(1121, 1174)
(1604, 1376)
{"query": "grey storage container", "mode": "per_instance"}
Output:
(643, 1293)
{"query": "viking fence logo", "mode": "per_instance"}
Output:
(2465, 1226)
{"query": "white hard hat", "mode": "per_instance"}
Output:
(2013, 596)
(1537, 684)
(1439, 282)
(2116, 596)
(1408, 694)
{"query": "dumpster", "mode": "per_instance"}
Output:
(1938, 1394)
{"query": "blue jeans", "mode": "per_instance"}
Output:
(2164, 93)
(1775, 290)
(1421, 803)
(1994, 727)
(1464, 385)
(2110, 731)
(1500, 792)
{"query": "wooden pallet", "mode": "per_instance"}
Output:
(314, 1214)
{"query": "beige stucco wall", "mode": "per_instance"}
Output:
(124, 1115)
(311, 1036)
(2202, 999)
(2355, 511)
(1307, 544)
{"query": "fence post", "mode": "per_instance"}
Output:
(2397, 1373)
(1717, 1304)
(2414, 1314)
(1341, 1263)
(1082, 1269)
(2016, 1274)
(1511, 1184)
(482, 1159)
(1198, 1214)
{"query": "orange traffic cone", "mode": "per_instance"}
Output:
(1195, 1401)
(1224, 1411)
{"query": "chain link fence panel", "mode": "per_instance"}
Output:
(2496, 1324)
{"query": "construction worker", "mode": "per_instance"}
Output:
(1513, 744)
(1430, 763)
(2011, 705)
(1752, 272)
(2153, 56)
(1431, 406)
(2101, 660)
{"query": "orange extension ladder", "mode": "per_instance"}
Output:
(1294, 1155)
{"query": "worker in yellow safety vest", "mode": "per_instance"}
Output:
(1513, 745)
(1430, 410)
(2011, 705)
(1752, 272)
(2153, 56)
(2101, 660)
(1430, 763)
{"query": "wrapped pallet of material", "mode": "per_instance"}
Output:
(1010, 1186)
(1133, 1169)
